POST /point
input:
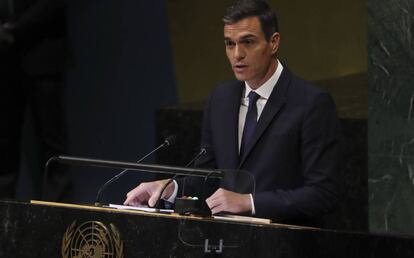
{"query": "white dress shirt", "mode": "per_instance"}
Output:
(264, 91)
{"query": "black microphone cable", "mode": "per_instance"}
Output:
(202, 152)
(170, 140)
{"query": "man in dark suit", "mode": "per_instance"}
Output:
(276, 126)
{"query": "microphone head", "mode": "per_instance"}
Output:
(170, 140)
(204, 149)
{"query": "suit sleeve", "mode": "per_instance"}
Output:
(319, 150)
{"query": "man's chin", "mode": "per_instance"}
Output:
(240, 77)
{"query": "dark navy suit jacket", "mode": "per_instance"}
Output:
(294, 152)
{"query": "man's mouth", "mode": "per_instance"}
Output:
(239, 67)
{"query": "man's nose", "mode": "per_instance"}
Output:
(239, 52)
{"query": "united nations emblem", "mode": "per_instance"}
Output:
(92, 239)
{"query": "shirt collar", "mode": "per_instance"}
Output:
(266, 88)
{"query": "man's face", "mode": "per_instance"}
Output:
(250, 54)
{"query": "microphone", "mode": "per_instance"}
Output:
(170, 140)
(201, 153)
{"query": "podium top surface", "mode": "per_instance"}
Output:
(229, 218)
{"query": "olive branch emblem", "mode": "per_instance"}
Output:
(67, 238)
(119, 244)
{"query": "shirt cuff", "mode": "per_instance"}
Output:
(174, 194)
(252, 202)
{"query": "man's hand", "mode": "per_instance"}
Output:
(148, 193)
(223, 200)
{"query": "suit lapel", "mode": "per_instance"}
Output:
(275, 102)
(232, 123)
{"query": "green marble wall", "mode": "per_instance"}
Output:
(391, 116)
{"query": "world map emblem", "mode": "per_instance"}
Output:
(92, 239)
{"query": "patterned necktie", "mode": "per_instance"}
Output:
(250, 122)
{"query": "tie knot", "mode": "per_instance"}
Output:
(253, 97)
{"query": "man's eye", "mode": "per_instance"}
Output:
(248, 41)
(229, 43)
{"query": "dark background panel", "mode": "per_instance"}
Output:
(122, 72)
(119, 71)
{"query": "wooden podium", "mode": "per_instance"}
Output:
(45, 229)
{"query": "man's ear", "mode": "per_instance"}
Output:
(274, 42)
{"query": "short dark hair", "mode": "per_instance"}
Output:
(249, 8)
